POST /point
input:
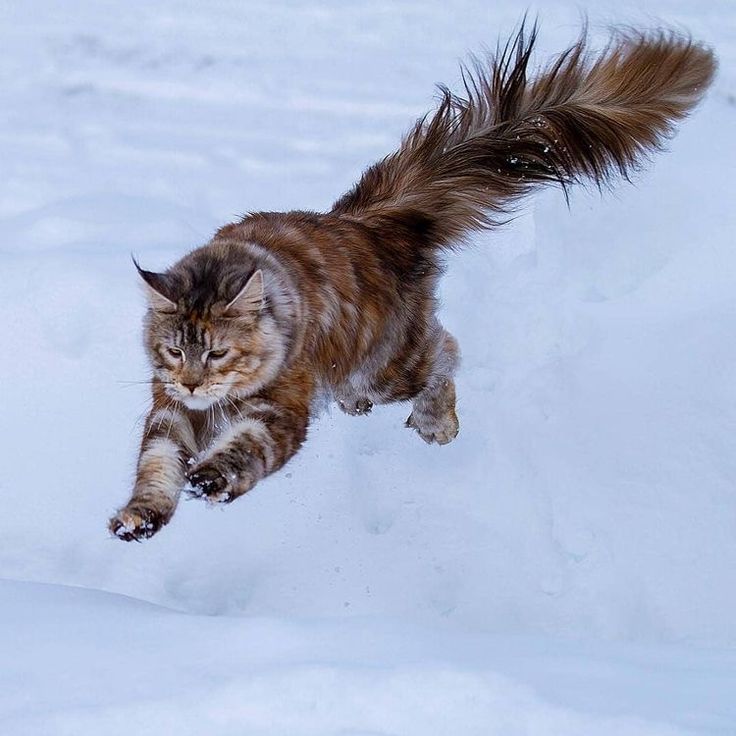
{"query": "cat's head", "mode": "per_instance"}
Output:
(211, 337)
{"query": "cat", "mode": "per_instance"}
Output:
(243, 333)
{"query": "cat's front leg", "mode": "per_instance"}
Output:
(237, 460)
(265, 432)
(168, 442)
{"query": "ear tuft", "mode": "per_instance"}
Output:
(249, 300)
(158, 289)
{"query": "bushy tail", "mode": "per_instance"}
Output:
(582, 117)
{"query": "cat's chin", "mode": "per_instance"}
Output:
(198, 403)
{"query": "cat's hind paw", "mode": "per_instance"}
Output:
(357, 408)
(440, 430)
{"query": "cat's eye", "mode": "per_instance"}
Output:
(217, 354)
(177, 353)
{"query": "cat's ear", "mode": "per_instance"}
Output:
(158, 289)
(249, 300)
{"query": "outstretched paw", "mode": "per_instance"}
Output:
(207, 482)
(135, 523)
(431, 429)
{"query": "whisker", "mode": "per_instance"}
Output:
(163, 415)
(235, 406)
(145, 382)
(168, 408)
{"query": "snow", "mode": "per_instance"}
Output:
(104, 663)
(566, 566)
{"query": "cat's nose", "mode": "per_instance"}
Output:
(190, 386)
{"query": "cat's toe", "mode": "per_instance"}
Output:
(135, 524)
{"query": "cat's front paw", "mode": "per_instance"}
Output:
(209, 483)
(216, 483)
(136, 523)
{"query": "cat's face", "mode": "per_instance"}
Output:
(205, 356)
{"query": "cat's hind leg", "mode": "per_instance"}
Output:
(433, 412)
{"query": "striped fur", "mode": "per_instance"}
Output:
(244, 333)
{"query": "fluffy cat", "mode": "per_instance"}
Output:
(245, 331)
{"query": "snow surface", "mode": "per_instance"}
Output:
(567, 566)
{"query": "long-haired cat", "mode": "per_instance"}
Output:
(245, 331)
